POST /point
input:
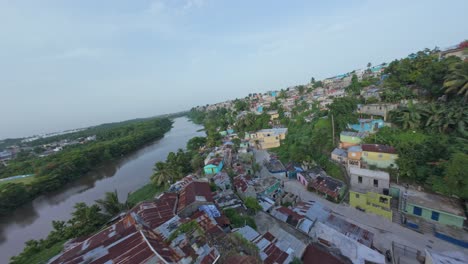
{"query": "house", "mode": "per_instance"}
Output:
(273, 114)
(433, 208)
(306, 177)
(268, 186)
(269, 138)
(271, 249)
(244, 186)
(286, 215)
(348, 247)
(369, 180)
(292, 168)
(222, 180)
(316, 254)
(370, 191)
(329, 187)
(382, 156)
(275, 166)
(213, 166)
(460, 50)
(140, 236)
(339, 155)
(381, 109)
(192, 196)
(354, 156)
(367, 125)
(433, 257)
(349, 138)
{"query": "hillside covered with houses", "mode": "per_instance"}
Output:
(368, 166)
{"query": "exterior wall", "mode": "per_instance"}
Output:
(371, 202)
(381, 160)
(213, 169)
(377, 109)
(338, 158)
(346, 145)
(444, 218)
(350, 140)
(274, 116)
(368, 183)
(302, 179)
(354, 155)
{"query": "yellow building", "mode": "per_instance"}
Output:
(273, 114)
(372, 202)
(269, 138)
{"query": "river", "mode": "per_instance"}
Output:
(33, 220)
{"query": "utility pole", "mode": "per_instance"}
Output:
(333, 129)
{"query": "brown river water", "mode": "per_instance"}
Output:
(34, 220)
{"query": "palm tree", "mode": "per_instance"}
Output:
(434, 115)
(456, 81)
(112, 205)
(408, 117)
(163, 174)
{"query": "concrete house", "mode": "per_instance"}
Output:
(377, 109)
(349, 138)
(213, 166)
(354, 156)
(368, 125)
(369, 191)
(382, 156)
(269, 138)
(339, 155)
(433, 208)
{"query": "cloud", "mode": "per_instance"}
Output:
(193, 4)
(79, 53)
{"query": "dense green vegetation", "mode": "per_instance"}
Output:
(238, 220)
(430, 135)
(53, 171)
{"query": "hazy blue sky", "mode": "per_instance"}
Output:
(68, 64)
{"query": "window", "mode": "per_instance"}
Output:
(357, 195)
(435, 216)
(417, 211)
(380, 155)
(365, 154)
(353, 154)
(359, 179)
(376, 183)
(383, 200)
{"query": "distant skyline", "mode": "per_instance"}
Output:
(73, 64)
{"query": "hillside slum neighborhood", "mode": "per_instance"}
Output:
(300, 213)
(304, 213)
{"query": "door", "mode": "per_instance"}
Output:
(435, 216)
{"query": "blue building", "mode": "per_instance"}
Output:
(367, 125)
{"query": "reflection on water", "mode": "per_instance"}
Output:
(33, 220)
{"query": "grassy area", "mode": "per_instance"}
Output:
(334, 171)
(26, 180)
(44, 255)
(146, 192)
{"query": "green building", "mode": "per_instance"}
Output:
(433, 208)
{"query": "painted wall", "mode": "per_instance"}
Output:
(371, 202)
(213, 169)
(427, 214)
(381, 160)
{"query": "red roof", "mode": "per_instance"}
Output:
(289, 212)
(157, 212)
(240, 183)
(378, 148)
(191, 192)
(315, 255)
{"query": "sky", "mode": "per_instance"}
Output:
(72, 64)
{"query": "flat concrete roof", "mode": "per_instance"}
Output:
(435, 201)
(382, 175)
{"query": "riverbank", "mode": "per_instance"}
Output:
(130, 173)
